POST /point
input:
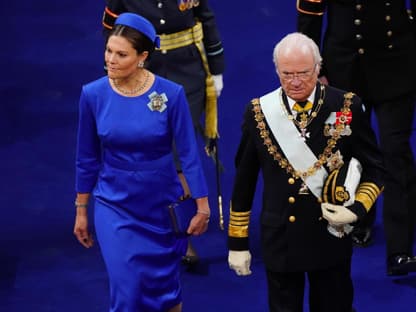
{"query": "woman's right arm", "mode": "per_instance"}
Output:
(88, 159)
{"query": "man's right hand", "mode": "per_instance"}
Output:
(240, 261)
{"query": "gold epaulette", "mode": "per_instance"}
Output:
(367, 194)
(238, 225)
(312, 7)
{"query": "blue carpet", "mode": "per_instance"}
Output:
(49, 50)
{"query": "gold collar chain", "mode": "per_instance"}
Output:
(283, 162)
(307, 119)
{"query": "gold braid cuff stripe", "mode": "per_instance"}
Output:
(239, 221)
(238, 231)
(240, 214)
(322, 159)
(367, 194)
(238, 225)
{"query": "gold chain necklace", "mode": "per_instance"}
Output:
(137, 89)
(322, 158)
(306, 120)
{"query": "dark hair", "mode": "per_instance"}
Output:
(139, 41)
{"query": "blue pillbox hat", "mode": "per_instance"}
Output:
(139, 23)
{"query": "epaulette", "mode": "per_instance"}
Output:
(311, 7)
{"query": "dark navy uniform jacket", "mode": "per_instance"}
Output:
(368, 46)
(294, 236)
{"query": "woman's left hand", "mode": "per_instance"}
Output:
(199, 224)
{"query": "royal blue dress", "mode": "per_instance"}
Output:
(124, 157)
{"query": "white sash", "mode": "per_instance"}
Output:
(292, 144)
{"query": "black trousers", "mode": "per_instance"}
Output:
(395, 124)
(330, 290)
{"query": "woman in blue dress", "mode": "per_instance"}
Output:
(128, 122)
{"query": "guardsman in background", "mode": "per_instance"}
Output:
(369, 48)
(190, 53)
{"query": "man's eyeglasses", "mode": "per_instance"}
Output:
(302, 75)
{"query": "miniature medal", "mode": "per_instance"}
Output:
(182, 5)
(303, 189)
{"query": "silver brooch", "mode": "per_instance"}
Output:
(157, 102)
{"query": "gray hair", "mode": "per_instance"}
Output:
(299, 41)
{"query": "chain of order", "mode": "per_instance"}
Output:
(323, 158)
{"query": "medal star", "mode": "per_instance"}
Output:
(157, 102)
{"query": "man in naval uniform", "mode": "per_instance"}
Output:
(190, 54)
(298, 136)
(369, 48)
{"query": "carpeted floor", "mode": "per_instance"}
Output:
(49, 50)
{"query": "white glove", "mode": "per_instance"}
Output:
(240, 261)
(218, 84)
(337, 215)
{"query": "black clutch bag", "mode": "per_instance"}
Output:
(181, 214)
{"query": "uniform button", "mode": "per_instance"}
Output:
(388, 18)
(388, 3)
(358, 7)
(358, 36)
(292, 219)
(291, 200)
(162, 21)
(357, 22)
(164, 51)
(361, 51)
(389, 33)
(160, 5)
(291, 181)
(390, 46)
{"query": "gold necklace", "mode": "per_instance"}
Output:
(137, 89)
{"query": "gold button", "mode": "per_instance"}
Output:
(159, 5)
(291, 200)
(361, 51)
(389, 33)
(358, 7)
(390, 46)
(162, 21)
(292, 219)
(358, 36)
(357, 22)
(291, 181)
(164, 51)
(388, 18)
